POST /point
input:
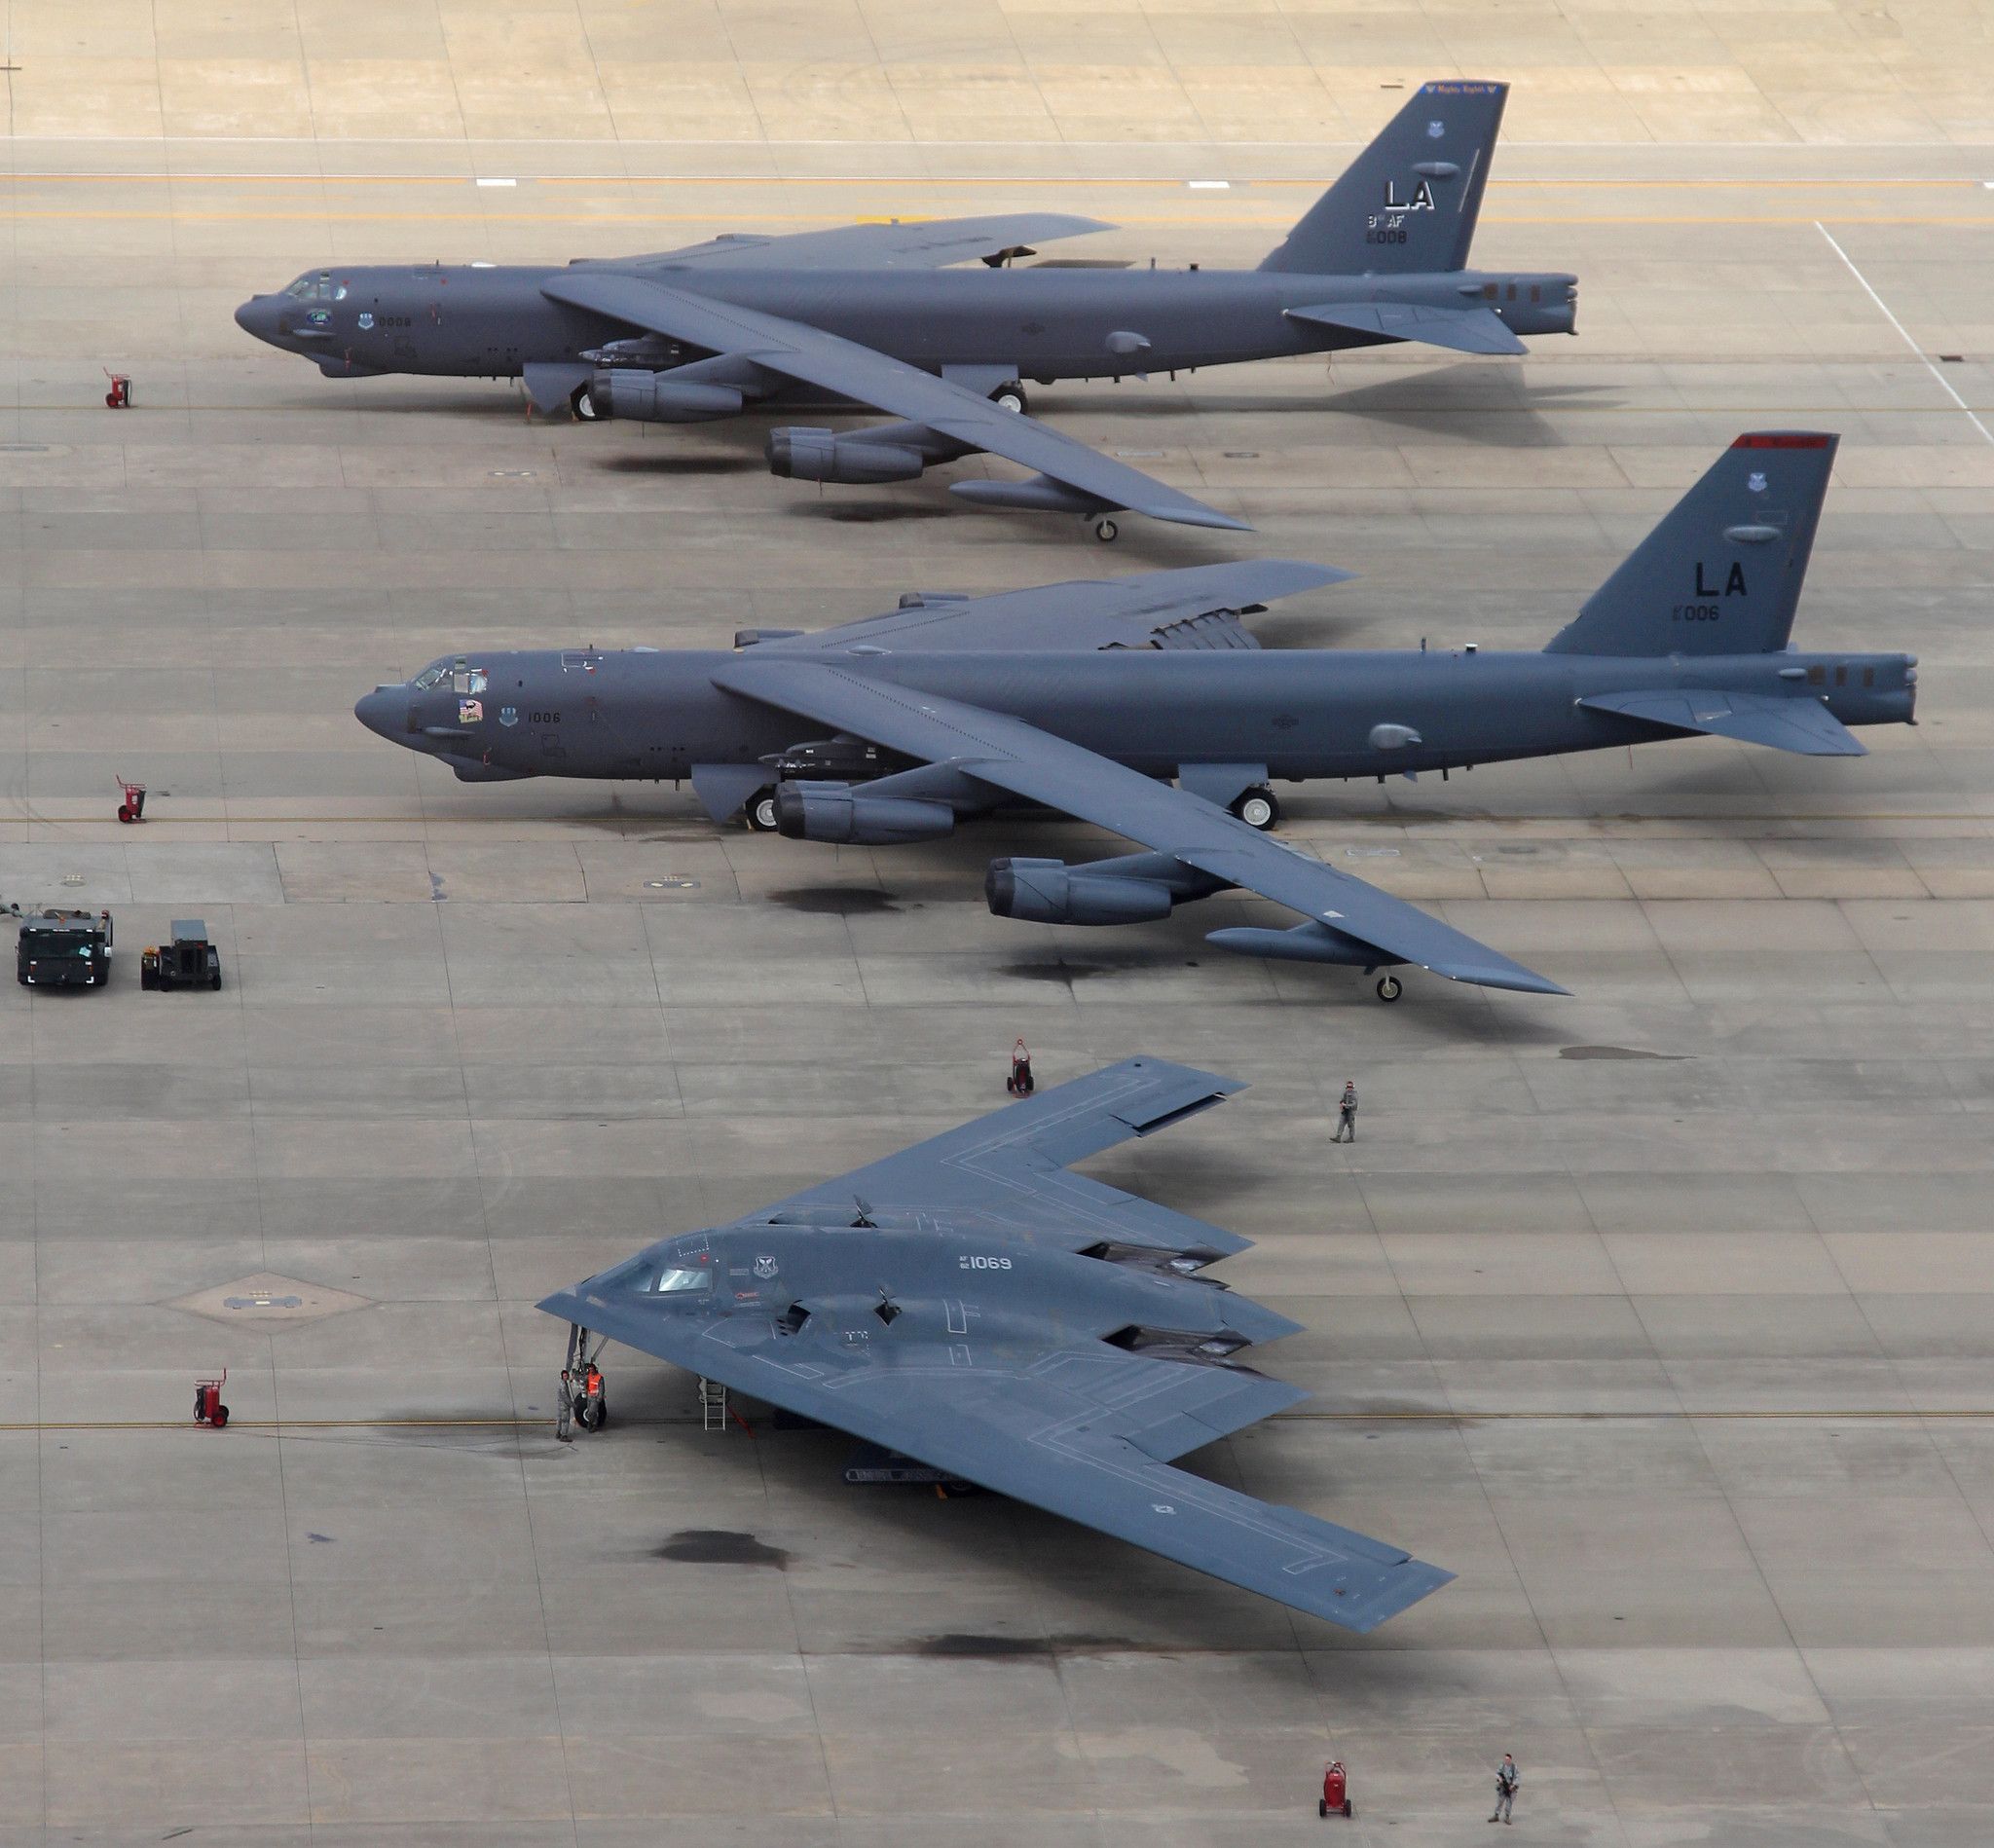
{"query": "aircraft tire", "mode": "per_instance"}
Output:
(1390, 988)
(1106, 531)
(1258, 807)
(579, 403)
(1011, 397)
(761, 811)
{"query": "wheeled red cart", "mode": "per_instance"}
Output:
(1336, 1791)
(209, 1407)
(1021, 1083)
(119, 396)
(131, 808)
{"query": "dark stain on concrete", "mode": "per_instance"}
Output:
(721, 1547)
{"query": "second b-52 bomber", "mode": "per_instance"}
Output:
(1086, 697)
(877, 314)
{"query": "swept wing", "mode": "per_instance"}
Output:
(1033, 1409)
(854, 371)
(921, 244)
(996, 749)
(1194, 608)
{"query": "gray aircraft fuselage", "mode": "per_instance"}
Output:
(1045, 323)
(1304, 713)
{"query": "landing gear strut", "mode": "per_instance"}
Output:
(1390, 988)
(1106, 531)
(583, 1397)
(1257, 808)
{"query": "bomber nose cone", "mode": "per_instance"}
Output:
(377, 709)
(254, 316)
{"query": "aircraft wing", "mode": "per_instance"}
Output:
(854, 371)
(930, 244)
(1196, 608)
(1801, 726)
(1012, 1167)
(996, 749)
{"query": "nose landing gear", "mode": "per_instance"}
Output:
(583, 1397)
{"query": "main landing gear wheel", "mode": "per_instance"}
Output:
(592, 1414)
(1390, 988)
(580, 402)
(761, 812)
(1106, 531)
(1011, 397)
(1257, 808)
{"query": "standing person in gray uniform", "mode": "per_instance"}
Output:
(1346, 1113)
(1507, 1778)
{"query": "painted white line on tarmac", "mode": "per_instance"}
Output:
(1883, 306)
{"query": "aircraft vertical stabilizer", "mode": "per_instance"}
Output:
(1408, 203)
(1721, 574)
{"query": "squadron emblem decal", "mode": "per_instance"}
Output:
(508, 715)
(366, 323)
(764, 1267)
(1435, 129)
(1755, 482)
(471, 712)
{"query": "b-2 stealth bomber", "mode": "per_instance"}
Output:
(874, 313)
(971, 1304)
(1087, 697)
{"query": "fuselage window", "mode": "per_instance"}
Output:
(1817, 676)
(1841, 676)
(1868, 677)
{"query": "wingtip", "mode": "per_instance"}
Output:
(1518, 981)
(1197, 516)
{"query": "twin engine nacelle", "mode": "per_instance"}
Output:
(846, 817)
(656, 397)
(801, 453)
(1051, 892)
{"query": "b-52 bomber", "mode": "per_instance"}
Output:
(1087, 697)
(877, 314)
(971, 1304)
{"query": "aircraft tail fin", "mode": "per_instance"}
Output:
(1722, 573)
(1409, 202)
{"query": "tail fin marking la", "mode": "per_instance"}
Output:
(1722, 571)
(1407, 204)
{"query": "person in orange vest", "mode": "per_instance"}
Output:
(592, 1384)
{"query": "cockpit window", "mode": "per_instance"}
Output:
(433, 676)
(319, 288)
(469, 680)
(672, 1280)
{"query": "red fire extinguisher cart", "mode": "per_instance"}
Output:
(1336, 1791)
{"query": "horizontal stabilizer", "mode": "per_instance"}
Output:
(1458, 330)
(1797, 725)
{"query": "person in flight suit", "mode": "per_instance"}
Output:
(1346, 1113)
(1507, 1778)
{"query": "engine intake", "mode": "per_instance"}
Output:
(656, 397)
(837, 813)
(801, 453)
(1051, 892)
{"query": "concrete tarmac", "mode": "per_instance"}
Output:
(1660, 1314)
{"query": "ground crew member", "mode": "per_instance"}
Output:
(592, 1387)
(1346, 1113)
(1507, 1778)
(564, 1411)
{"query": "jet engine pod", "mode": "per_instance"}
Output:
(656, 397)
(801, 453)
(1051, 892)
(846, 817)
